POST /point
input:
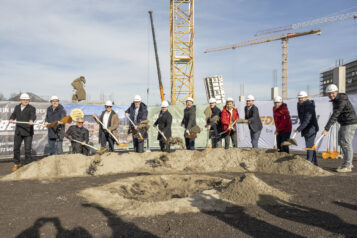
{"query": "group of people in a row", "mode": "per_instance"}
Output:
(221, 124)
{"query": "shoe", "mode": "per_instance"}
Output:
(16, 166)
(344, 170)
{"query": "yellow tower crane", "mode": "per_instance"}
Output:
(182, 50)
(284, 38)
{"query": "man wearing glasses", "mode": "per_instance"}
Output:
(78, 133)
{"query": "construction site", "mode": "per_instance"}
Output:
(210, 191)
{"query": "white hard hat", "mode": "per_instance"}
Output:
(302, 94)
(189, 99)
(230, 100)
(278, 99)
(164, 104)
(24, 96)
(212, 100)
(54, 98)
(137, 98)
(331, 88)
(250, 97)
(109, 103)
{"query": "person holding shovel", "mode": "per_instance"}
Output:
(254, 123)
(137, 112)
(213, 123)
(343, 113)
(164, 123)
(308, 124)
(229, 116)
(78, 133)
(23, 132)
(283, 123)
(188, 122)
(55, 113)
(108, 126)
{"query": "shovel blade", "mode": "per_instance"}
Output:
(101, 151)
(334, 155)
(325, 155)
(66, 119)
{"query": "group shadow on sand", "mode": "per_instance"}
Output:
(237, 218)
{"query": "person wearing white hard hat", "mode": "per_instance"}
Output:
(308, 124)
(345, 115)
(283, 123)
(188, 122)
(164, 122)
(213, 122)
(229, 116)
(137, 112)
(110, 121)
(23, 132)
(54, 113)
(254, 123)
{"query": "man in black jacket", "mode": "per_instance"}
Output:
(164, 125)
(343, 113)
(308, 124)
(213, 123)
(24, 132)
(189, 121)
(55, 112)
(79, 133)
(137, 112)
(254, 123)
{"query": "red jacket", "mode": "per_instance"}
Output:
(282, 119)
(226, 119)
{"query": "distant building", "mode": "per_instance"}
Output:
(344, 76)
(214, 88)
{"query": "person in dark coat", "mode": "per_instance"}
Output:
(343, 113)
(213, 123)
(229, 115)
(164, 123)
(110, 120)
(55, 112)
(23, 132)
(308, 124)
(79, 133)
(188, 122)
(283, 123)
(254, 123)
(137, 112)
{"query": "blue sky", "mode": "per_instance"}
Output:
(44, 45)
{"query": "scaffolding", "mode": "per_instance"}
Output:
(181, 50)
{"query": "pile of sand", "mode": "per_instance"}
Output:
(157, 195)
(217, 160)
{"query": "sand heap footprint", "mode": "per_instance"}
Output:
(217, 160)
(157, 195)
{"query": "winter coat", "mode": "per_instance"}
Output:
(113, 124)
(307, 116)
(252, 115)
(78, 133)
(56, 132)
(29, 113)
(215, 112)
(282, 119)
(189, 118)
(227, 119)
(142, 116)
(343, 112)
(164, 123)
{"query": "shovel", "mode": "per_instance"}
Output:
(163, 135)
(334, 153)
(274, 147)
(316, 143)
(110, 133)
(66, 119)
(291, 141)
(99, 151)
(229, 128)
(141, 137)
(327, 154)
(26, 122)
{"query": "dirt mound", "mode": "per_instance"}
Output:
(158, 195)
(246, 190)
(217, 160)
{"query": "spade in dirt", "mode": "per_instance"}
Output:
(291, 141)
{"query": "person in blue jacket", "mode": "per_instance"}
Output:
(308, 123)
(137, 112)
(55, 112)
